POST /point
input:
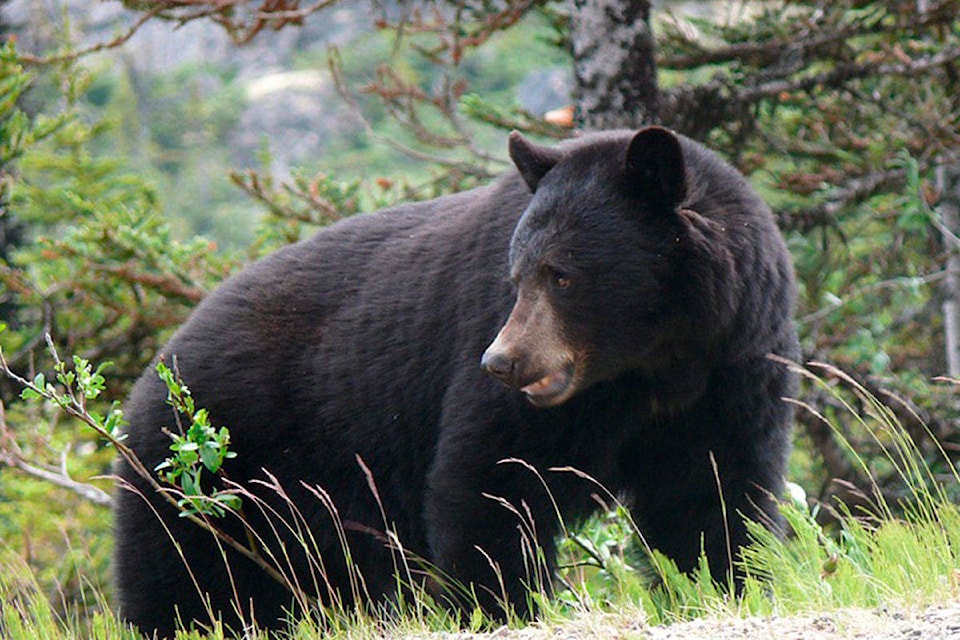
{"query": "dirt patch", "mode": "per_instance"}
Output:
(935, 623)
(939, 622)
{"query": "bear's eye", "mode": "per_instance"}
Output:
(561, 280)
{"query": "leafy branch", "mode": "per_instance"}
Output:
(199, 447)
(196, 448)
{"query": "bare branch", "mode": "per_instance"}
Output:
(856, 191)
(100, 46)
(10, 455)
(168, 284)
(892, 283)
(236, 17)
(465, 168)
(844, 73)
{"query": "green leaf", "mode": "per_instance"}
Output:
(211, 458)
(188, 458)
(189, 484)
(477, 619)
(202, 418)
(230, 500)
(103, 366)
(30, 394)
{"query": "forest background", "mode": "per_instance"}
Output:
(140, 164)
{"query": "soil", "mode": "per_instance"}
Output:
(939, 622)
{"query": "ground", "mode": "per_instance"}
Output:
(937, 622)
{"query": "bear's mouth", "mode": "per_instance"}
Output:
(552, 389)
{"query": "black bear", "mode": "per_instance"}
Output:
(628, 287)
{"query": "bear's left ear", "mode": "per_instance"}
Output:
(655, 167)
(532, 160)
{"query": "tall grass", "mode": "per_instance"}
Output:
(905, 554)
(27, 613)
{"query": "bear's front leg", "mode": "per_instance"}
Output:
(699, 475)
(490, 527)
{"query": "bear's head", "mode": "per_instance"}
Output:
(602, 262)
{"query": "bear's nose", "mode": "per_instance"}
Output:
(499, 365)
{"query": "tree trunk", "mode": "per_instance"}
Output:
(615, 71)
(950, 217)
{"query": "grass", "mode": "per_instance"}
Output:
(26, 612)
(899, 555)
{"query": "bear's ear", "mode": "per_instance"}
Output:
(532, 160)
(655, 167)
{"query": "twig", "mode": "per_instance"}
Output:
(844, 73)
(852, 193)
(100, 46)
(348, 97)
(892, 283)
(696, 110)
(166, 284)
(12, 456)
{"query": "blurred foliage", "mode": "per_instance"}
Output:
(842, 115)
(98, 271)
(175, 128)
(101, 272)
(417, 83)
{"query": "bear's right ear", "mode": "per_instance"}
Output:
(532, 160)
(655, 167)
